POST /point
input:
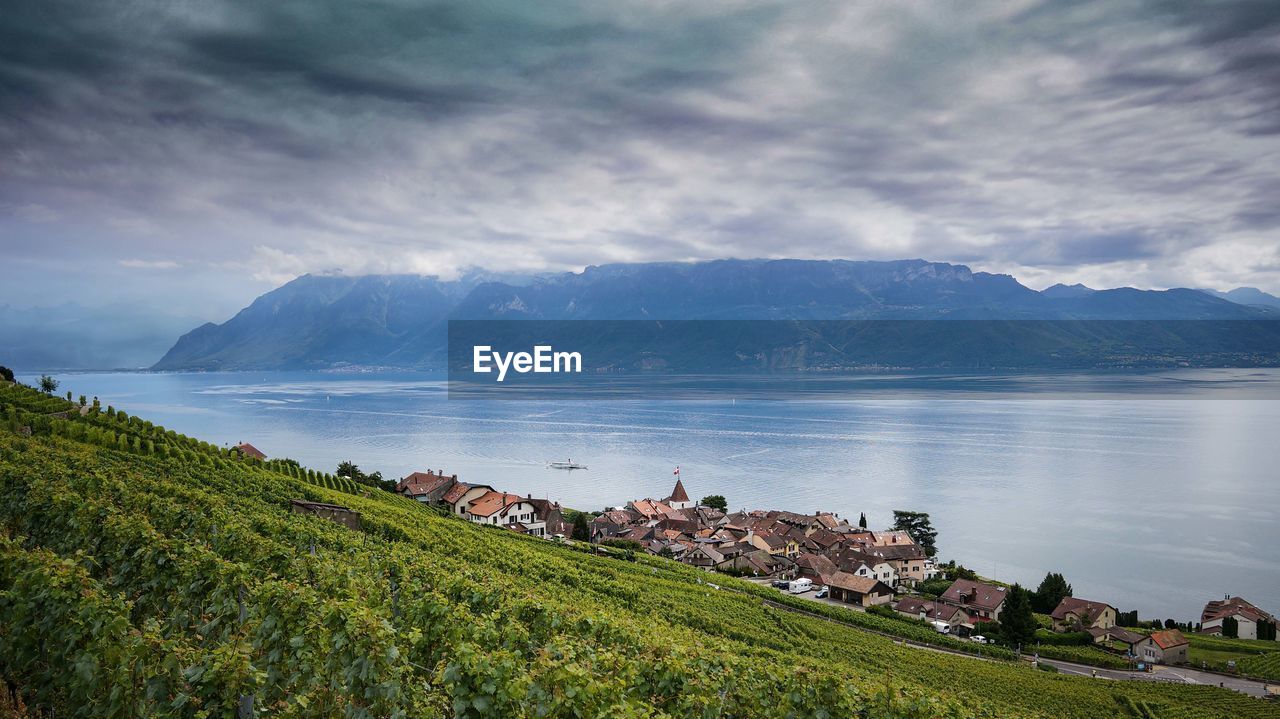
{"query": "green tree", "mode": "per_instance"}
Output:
(1231, 628)
(6, 374)
(581, 530)
(48, 385)
(862, 520)
(715, 501)
(1052, 590)
(918, 527)
(1017, 621)
(349, 470)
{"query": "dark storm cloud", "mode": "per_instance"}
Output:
(1118, 142)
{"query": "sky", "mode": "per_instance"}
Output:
(191, 155)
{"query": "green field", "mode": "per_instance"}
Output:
(143, 573)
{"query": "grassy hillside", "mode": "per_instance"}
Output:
(154, 576)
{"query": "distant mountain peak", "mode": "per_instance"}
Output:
(1251, 296)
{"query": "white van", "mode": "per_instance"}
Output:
(800, 586)
(941, 627)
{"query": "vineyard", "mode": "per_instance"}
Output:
(1266, 666)
(144, 573)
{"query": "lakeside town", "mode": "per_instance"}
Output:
(828, 558)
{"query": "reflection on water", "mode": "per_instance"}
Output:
(1157, 504)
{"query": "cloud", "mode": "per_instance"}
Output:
(1110, 143)
(150, 264)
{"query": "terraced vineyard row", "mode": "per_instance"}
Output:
(1266, 666)
(180, 584)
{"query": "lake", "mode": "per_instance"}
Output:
(1155, 503)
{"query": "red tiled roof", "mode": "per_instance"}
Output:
(490, 502)
(250, 450)
(455, 492)
(931, 610)
(1168, 638)
(424, 483)
(854, 583)
(817, 563)
(976, 594)
(891, 537)
(1087, 611)
(1220, 608)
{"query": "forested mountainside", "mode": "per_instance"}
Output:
(145, 573)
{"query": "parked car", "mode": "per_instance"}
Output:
(822, 592)
(979, 639)
(781, 583)
(941, 627)
(800, 586)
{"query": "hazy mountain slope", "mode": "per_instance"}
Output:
(400, 321)
(319, 321)
(73, 336)
(1247, 296)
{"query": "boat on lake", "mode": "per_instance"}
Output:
(566, 465)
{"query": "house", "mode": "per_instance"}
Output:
(1074, 615)
(814, 566)
(918, 608)
(703, 555)
(774, 544)
(551, 515)
(757, 563)
(249, 450)
(1163, 647)
(862, 565)
(908, 561)
(1250, 621)
(427, 487)
(500, 509)
(604, 527)
(982, 601)
(460, 495)
(679, 499)
(1116, 634)
(650, 509)
(332, 512)
(863, 591)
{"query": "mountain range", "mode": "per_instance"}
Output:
(333, 321)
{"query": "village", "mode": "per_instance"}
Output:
(825, 557)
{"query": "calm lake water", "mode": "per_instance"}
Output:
(1158, 504)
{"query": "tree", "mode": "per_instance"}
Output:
(1017, 622)
(918, 527)
(48, 385)
(581, 530)
(862, 520)
(6, 374)
(349, 470)
(1231, 628)
(1050, 593)
(715, 501)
